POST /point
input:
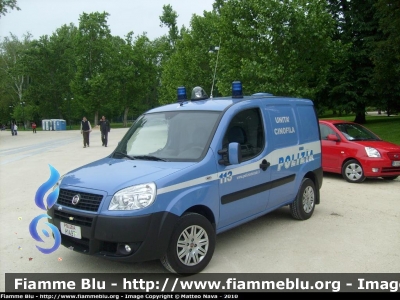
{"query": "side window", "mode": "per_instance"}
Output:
(246, 128)
(325, 130)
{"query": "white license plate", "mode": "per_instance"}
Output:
(71, 230)
(396, 163)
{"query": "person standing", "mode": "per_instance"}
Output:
(34, 127)
(104, 130)
(12, 128)
(15, 129)
(86, 128)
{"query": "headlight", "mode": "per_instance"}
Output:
(134, 197)
(57, 185)
(372, 152)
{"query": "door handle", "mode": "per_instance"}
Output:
(264, 165)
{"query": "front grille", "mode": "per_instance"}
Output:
(72, 218)
(89, 202)
(394, 155)
(391, 170)
(81, 245)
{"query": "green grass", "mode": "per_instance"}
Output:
(387, 128)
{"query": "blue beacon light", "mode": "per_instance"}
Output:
(181, 94)
(237, 91)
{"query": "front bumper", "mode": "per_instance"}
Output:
(148, 236)
(379, 168)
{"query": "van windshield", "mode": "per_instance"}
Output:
(169, 136)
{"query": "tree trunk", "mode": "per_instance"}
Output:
(126, 116)
(96, 118)
(360, 118)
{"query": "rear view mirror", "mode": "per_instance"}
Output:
(235, 154)
(332, 137)
(231, 155)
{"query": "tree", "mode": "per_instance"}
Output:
(190, 64)
(13, 69)
(146, 82)
(169, 19)
(386, 57)
(93, 52)
(133, 75)
(350, 80)
(283, 47)
(50, 62)
(4, 4)
(7, 95)
(264, 44)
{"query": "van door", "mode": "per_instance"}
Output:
(294, 138)
(244, 189)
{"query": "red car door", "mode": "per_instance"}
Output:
(332, 151)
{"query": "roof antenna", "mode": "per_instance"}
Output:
(212, 49)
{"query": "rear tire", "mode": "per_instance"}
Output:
(353, 172)
(191, 247)
(303, 206)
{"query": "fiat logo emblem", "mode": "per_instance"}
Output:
(75, 199)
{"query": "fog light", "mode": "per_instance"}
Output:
(375, 170)
(127, 249)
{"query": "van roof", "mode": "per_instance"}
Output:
(221, 103)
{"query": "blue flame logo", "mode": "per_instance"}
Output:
(39, 201)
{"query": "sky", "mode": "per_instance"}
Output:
(43, 17)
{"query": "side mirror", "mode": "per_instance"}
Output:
(231, 155)
(332, 137)
(235, 153)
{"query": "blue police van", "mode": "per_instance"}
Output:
(187, 171)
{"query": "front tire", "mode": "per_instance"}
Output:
(192, 245)
(303, 206)
(353, 172)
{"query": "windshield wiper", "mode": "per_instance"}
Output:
(123, 154)
(364, 139)
(371, 139)
(148, 157)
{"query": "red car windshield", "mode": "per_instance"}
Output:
(355, 132)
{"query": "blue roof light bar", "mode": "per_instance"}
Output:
(237, 91)
(181, 94)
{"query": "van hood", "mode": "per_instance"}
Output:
(110, 174)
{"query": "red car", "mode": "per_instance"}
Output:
(355, 152)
